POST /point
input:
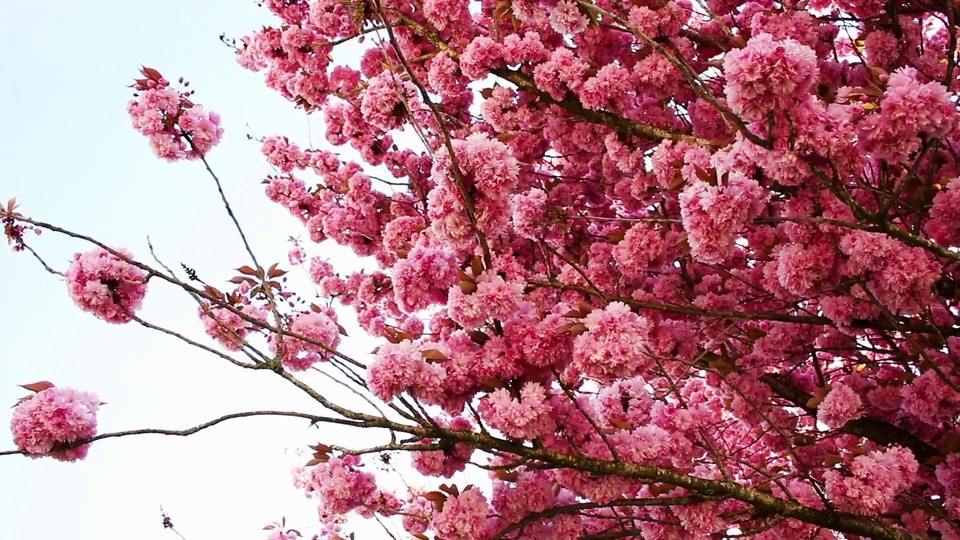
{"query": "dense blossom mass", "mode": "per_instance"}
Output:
(657, 269)
(175, 126)
(106, 285)
(50, 422)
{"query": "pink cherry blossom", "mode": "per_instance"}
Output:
(613, 345)
(464, 517)
(50, 422)
(712, 215)
(106, 285)
(874, 480)
(524, 417)
(320, 335)
(841, 405)
(767, 74)
(175, 126)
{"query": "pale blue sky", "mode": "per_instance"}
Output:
(71, 157)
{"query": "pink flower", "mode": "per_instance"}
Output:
(399, 367)
(451, 15)
(175, 126)
(712, 215)
(874, 480)
(841, 405)
(227, 327)
(900, 277)
(930, 399)
(566, 18)
(387, 101)
(279, 533)
(562, 72)
(801, 268)
(105, 285)
(946, 212)
(443, 75)
(665, 21)
(909, 109)
(767, 75)
(423, 278)
(298, 354)
(494, 299)
(202, 128)
(297, 255)
(641, 244)
(528, 212)
(526, 417)
(487, 162)
(614, 343)
(46, 423)
(343, 487)
(608, 89)
(480, 56)
(445, 462)
(464, 517)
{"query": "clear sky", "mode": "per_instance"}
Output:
(70, 156)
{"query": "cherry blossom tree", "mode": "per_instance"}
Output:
(651, 269)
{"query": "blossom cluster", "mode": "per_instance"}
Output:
(719, 244)
(52, 421)
(106, 284)
(615, 254)
(175, 126)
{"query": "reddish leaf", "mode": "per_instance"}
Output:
(476, 265)
(830, 460)
(490, 385)
(721, 366)
(213, 291)
(576, 328)
(151, 73)
(318, 460)
(479, 337)
(468, 287)
(435, 496)
(709, 177)
(659, 489)
(820, 392)
(435, 355)
(38, 386)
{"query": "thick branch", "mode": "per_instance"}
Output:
(838, 521)
(694, 311)
(877, 431)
